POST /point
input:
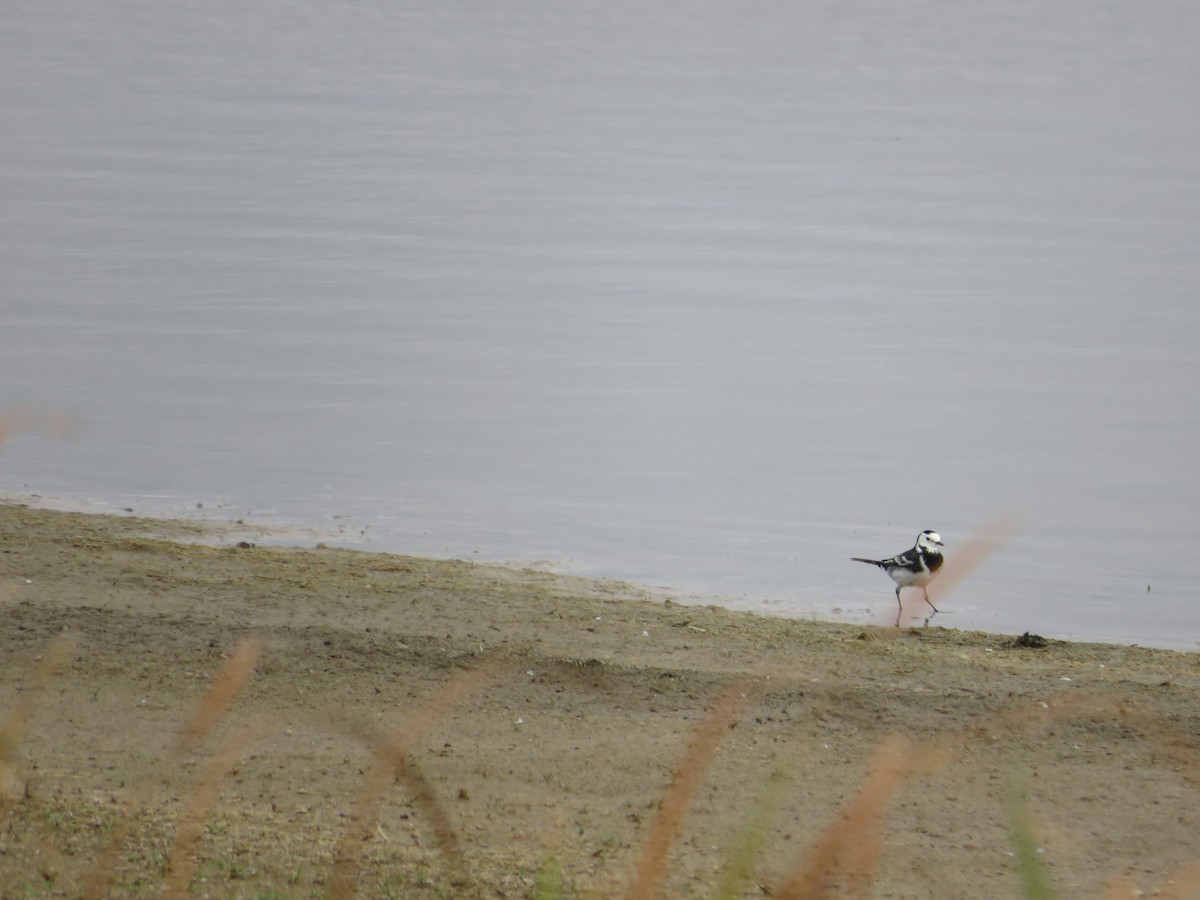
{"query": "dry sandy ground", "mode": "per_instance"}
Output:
(570, 705)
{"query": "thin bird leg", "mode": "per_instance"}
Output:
(899, 607)
(927, 600)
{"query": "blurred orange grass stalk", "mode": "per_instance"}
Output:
(674, 805)
(851, 845)
(392, 762)
(12, 729)
(181, 862)
(55, 424)
(224, 687)
(229, 679)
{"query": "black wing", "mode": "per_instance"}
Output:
(909, 560)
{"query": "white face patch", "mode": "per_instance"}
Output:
(930, 540)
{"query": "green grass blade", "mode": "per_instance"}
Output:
(1035, 883)
(751, 840)
(549, 884)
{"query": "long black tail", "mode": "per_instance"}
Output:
(873, 562)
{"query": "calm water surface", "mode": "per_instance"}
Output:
(711, 296)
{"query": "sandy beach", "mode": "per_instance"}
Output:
(186, 711)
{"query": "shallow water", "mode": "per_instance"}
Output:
(689, 296)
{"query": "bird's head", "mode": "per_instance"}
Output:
(930, 542)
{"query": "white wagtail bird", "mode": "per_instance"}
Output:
(913, 568)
